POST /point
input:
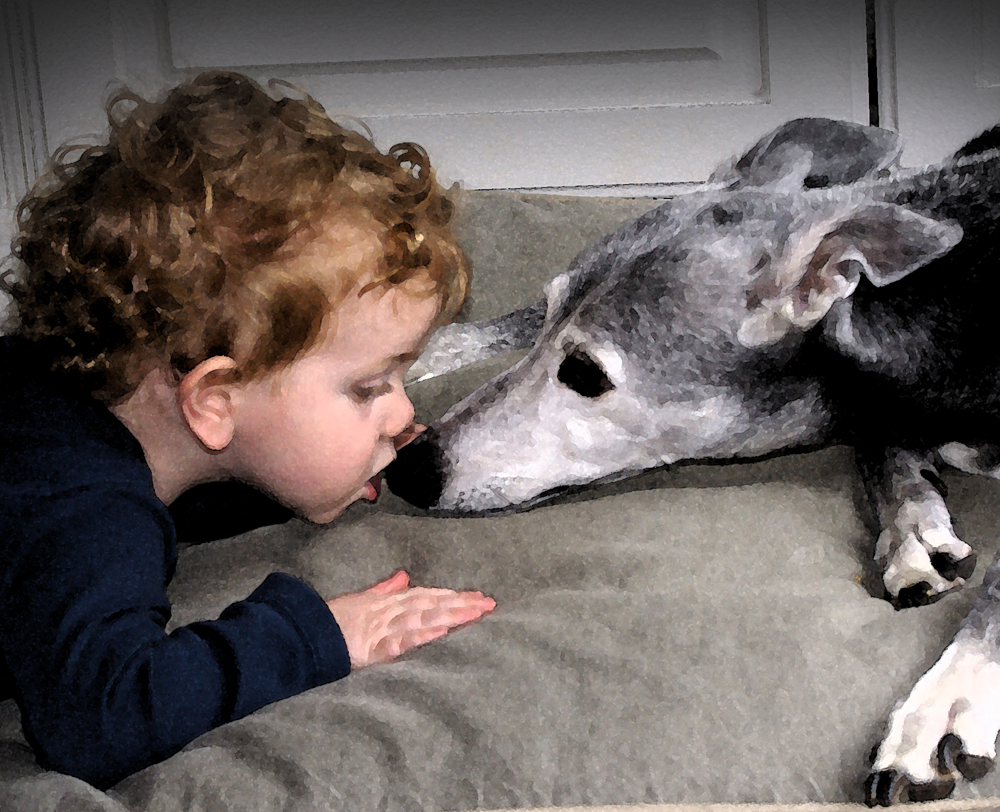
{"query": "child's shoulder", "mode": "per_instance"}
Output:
(56, 437)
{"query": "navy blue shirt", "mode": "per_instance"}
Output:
(86, 553)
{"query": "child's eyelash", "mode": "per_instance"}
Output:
(364, 393)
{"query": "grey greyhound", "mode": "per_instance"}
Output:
(808, 294)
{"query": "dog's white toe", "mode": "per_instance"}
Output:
(945, 729)
(921, 557)
(911, 565)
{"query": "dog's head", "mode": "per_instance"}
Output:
(672, 338)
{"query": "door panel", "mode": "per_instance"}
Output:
(459, 58)
(558, 95)
(947, 73)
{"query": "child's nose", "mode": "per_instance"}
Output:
(400, 415)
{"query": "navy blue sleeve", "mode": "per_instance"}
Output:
(103, 689)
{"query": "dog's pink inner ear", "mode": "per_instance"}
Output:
(824, 261)
(895, 241)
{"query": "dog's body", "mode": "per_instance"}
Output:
(807, 296)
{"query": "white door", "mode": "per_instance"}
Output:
(625, 97)
(941, 76)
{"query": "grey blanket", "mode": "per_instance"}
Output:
(698, 635)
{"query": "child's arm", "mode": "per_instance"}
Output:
(390, 618)
(103, 690)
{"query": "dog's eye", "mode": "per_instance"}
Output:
(583, 375)
(816, 181)
(726, 217)
(720, 215)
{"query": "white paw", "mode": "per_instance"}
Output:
(944, 730)
(920, 555)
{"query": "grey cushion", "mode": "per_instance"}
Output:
(701, 634)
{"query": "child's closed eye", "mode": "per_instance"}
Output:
(366, 392)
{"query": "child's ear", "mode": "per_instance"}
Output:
(204, 397)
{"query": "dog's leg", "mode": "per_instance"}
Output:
(947, 727)
(457, 345)
(919, 554)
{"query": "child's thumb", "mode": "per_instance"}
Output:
(397, 582)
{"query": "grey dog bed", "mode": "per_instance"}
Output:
(700, 635)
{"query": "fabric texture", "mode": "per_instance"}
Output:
(707, 634)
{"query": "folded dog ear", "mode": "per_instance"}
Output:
(812, 153)
(823, 262)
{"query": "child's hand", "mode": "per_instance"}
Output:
(391, 617)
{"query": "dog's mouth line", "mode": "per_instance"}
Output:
(545, 496)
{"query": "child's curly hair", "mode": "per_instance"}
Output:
(154, 249)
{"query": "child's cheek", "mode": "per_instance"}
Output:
(351, 440)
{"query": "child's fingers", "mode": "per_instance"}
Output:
(417, 637)
(429, 596)
(391, 647)
(448, 613)
(452, 617)
(415, 601)
(391, 617)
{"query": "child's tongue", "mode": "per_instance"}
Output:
(376, 485)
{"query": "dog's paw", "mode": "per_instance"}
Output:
(945, 730)
(921, 557)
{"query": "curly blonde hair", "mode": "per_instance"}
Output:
(160, 248)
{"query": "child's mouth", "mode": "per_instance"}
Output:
(373, 487)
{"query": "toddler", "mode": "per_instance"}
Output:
(229, 291)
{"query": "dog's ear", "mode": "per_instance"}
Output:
(555, 292)
(811, 153)
(562, 290)
(823, 261)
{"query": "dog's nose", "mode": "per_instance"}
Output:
(417, 474)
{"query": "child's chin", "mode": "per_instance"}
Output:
(327, 516)
(365, 493)
(324, 518)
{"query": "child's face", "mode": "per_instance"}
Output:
(314, 434)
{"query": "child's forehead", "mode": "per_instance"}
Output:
(381, 328)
